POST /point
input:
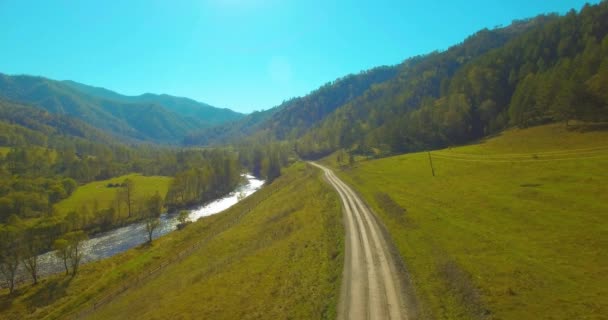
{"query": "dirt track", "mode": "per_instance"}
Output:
(370, 288)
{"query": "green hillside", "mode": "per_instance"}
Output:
(143, 118)
(277, 254)
(547, 69)
(550, 68)
(511, 228)
(281, 260)
(206, 114)
(295, 116)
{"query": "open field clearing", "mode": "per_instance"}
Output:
(98, 193)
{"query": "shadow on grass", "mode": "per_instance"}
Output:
(588, 127)
(6, 301)
(460, 284)
(48, 292)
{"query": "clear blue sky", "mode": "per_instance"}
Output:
(242, 54)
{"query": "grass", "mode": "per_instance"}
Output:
(282, 260)
(514, 227)
(4, 151)
(98, 194)
(277, 254)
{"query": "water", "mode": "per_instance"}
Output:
(115, 241)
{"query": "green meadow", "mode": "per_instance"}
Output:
(277, 254)
(98, 193)
(513, 227)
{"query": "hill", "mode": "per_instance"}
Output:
(545, 69)
(550, 68)
(292, 118)
(506, 229)
(276, 254)
(23, 125)
(206, 114)
(144, 120)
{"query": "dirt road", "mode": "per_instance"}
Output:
(370, 288)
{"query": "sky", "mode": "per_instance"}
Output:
(241, 54)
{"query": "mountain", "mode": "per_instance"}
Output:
(126, 118)
(296, 117)
(545, 69)
(26, 125)
(293, 117)
(183, 106)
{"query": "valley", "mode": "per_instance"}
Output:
(351, 172)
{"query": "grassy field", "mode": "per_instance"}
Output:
(515, 227)
(278, 254)
(98, 193)
(4, 151)
(282, 260)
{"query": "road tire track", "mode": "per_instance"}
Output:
(371, 287)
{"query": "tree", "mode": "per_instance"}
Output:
(351, 159)
(154, 208)
(127, 195)
(75, 240)
(183, 218)
(9, 254)
(62, 252)
(31, 247)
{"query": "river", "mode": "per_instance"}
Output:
(118, 240)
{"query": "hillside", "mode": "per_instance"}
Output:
(143, 119)
(294, 117)
(303, 116)
(206, 114)
(508, 228)
(547, 69)
(276, 254)
(23, 124)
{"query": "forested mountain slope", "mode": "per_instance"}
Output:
(544, 69)
(552, 68)
(206, 114)
(292, 118)
(26, 125)
(145, 121)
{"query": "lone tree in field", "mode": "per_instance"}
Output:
(154, 208)
(126, 194)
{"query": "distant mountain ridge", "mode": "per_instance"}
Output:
(151, 118)
(181, 105)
